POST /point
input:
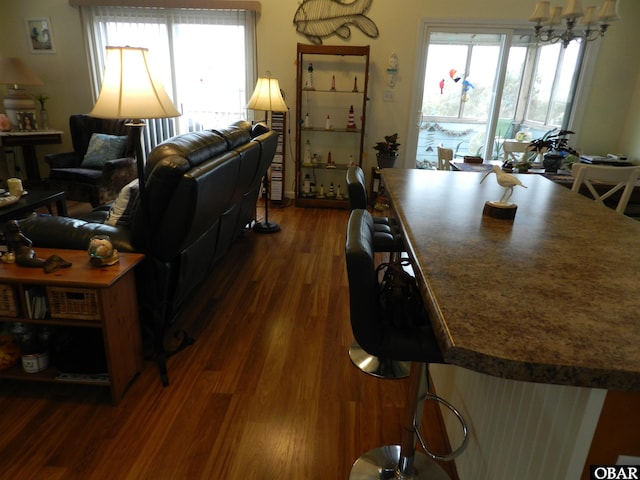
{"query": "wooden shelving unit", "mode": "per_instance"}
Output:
(331, 80)
(80, 296)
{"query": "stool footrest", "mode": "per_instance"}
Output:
(463, 423)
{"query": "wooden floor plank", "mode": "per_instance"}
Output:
(267, 390)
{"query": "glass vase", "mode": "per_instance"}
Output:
(44, 119)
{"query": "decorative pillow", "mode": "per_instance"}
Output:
(122, 210)
(103, 147)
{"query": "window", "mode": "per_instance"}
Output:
(208, 85)
(482, 85)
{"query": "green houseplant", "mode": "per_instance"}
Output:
(387, 151)
(554, 146)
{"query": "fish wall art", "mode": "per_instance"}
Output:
(318, 19)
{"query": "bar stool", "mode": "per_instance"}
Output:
(357, 192)
(386, 238)
(416, 344)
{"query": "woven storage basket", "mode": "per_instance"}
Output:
(8, 304)
(76, 303)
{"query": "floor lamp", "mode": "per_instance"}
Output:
(267, 97)
(130, 91)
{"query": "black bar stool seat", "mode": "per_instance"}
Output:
(380, 336)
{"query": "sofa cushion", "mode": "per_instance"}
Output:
(103, 147)
(122, 210)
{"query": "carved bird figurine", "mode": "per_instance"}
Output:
(506, 181)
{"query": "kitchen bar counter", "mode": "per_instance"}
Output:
(552, 297)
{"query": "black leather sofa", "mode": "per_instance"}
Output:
(201, 190)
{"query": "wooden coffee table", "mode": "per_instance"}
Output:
(32, 200)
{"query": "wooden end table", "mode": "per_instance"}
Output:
(80, 296)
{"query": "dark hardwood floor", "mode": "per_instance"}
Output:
(266, 392)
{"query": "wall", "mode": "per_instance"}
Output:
(611, 121)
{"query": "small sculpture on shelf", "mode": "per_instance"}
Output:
(351, 124)
(327, 123)
(20, 249)
(321, 191)
(308, 158)
(333, 84)
(331, 192)
(309, 84)
(330, 163)
(20, 246)
(355, 85)
(101, 251)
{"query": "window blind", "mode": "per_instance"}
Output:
(205, 58)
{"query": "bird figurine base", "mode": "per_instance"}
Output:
(500, 210)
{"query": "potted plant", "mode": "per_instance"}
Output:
(554, 145)
(387, 151)
(523, 165)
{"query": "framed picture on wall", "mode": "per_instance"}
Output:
(40, 35)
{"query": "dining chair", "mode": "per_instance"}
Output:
(594, 177)
(415, 343)
(445, 155)
(511, 149)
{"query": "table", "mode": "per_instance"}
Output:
(32, 200)
(28, 141)
(552, 297)
(541, 314)
(89, 297)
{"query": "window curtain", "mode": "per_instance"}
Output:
(205, 58)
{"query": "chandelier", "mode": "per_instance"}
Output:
(592, 26)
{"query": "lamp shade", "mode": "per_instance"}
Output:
(14, 71)
(541, 12)
(609, 11)
(266, 96)
(129, 89)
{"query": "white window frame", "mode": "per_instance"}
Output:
(427, 25)
(161, 129)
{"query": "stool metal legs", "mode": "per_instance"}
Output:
(401, 462)
(376, 366)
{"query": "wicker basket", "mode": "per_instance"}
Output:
(75, 303)
(8, 304)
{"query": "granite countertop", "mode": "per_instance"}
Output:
(552, 297)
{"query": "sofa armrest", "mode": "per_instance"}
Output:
(63, 160)
(72, 233)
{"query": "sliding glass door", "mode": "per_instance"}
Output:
(481, 86)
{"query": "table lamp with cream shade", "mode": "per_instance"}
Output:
(267, 96)
(15, 73)
(130, 91)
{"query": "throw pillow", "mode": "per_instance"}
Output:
(103, 147)
(122, 210)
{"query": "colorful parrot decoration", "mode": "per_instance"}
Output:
(466, 84)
